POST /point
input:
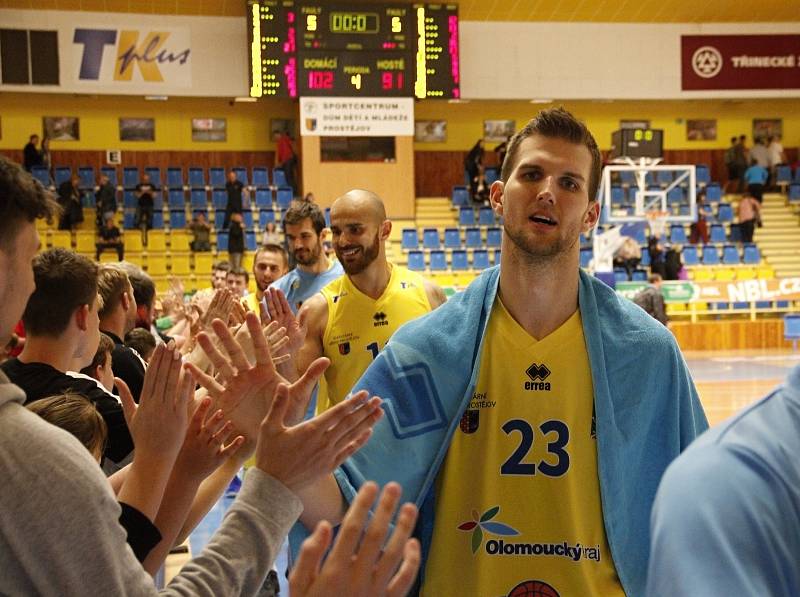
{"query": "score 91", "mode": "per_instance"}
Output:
(391, 80)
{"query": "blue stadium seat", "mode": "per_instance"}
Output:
(130, 177)
(328, 217)
(472, 238)
(128, 220)
(197, 178)
(586, 256)
(452, 238)
(265, 216)
(111, 172)
(458, 260)
(430, 238)
(250, 242)
(155, 175)
(717, 234)
(725, 212)
(781, 304)
(199, 199)
(158, 219)
(494, 236)
(279, 177)
(617, 195)
(497, 257)
(620, 275)
(62, 173)
(247, 215)
(665, 177)
(219, 219)
(222, 241)
(175, 177)
(689, 255)
(86, 174)
(741, 305)
(466, 216)
(639, 275)
(416, 261)
(129, 200)
(710, 255)
(730, 255)
(260, 177)
(763, 304)
(263, 198)
(675, 195)
(735, 234)
(241, 174)
(284, 197)
(645, 262)
(713, 192)
(177, 218)
(176, 199)
(677, 234)
(438, 261)
(219, 198)
(783, 175)
(486, 217)
(41, 174)
(794, 191)
(751, 256)
(480, 259)
(88, 199)
(627, 177)
(702, 174)
(460, 196)
(216, 177)
(491, 174)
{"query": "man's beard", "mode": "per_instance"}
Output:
(368, 255)
(539, 252)
(313, 255)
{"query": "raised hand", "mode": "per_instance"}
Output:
(204, 448)
(280, 311)
(359, 567)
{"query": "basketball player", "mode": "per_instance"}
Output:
(532, 416)
(353, 317)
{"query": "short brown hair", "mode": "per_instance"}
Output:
(141, 341)
(221, 266)
(239, 271)
(76, 414)
(273, 248)
(104, 348)
(557, 123)
(112, 282)
(64, 282)
(301, 210)
(22, 198)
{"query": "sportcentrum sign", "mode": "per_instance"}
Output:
(740, 62)
(744, 291)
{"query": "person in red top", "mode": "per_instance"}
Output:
(286, 158)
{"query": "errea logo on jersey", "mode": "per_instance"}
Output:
(537, 374)
(379, 319)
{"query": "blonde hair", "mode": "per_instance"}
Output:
(76, 414)
(112, 281)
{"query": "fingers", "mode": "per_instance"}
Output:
(215, 390)
(151, 375)
(260, 347)
(396, 546)
(199, 416)
(353, 523)
(234, 350)
(402, 582)
(126, 398)
(310, 378)
(284, 302)
(277, 410)
(220, 363)
(272, 303)
(371, 544)
(346, 426)
(278, 344)
(172, 395)
(233, 447)
(307, 566)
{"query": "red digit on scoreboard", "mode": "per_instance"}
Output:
(320, 79)
(386, 80)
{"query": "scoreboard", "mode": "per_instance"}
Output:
(351, 50)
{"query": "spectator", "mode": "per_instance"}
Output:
(628, 256)
(141, 341)
(110, 238)
(672, 263)
(775, 154)
(749, 216)
(272, 235)
(236, 240)
(656, 251)
(101, 368)
(105, 200)
(756, 177)
(31, 155)
(75, 414)
(652, 300)
(472, 163)
(759, 153)
(45, 153)
(698, 231)
(238, 279)
(742, 160)
(144, 291)
(234, 189)
(219, 275)
(286, 158)
(201, 230)
(269, 264)
(69, 197)
(145, 194)
(732, 166)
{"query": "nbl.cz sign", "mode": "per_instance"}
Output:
(740, 62)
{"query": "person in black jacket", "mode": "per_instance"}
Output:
(105, 200)
(69, 197)
(31, 154)
(236, 240)
(234, 188)
(472, 164)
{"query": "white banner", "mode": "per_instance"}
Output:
(357, 117)
(135, 54)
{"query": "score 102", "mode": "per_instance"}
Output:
(325, 79)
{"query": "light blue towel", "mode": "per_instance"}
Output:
(647, 409)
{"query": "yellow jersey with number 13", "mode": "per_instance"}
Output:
(359, 327)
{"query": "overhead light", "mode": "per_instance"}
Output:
(156, 98)
(245, 99)
(541, 101)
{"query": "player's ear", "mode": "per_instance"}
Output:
(496, 192)
(386, 229)
(592, 216)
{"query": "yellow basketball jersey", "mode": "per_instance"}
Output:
(359, 327)
(518, 497)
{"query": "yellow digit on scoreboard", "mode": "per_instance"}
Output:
(356, 81)
(397, 25)
(311, 22)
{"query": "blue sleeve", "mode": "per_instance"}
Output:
(719, 528)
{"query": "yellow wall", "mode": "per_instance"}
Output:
(734, 117)
(248, 123)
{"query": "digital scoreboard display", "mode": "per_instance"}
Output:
(401, 50)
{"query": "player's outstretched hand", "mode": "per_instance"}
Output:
(206, 445)
(356, 566)
(300, 455)
(280, 311)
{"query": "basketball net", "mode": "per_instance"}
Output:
(657, 222)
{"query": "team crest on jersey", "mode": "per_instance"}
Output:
(537, 588)
(470, 421)
(344, 348)
(485, 524)
(379, 319)
(537, 374)
(336, 297)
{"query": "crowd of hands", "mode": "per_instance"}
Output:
(224, 401)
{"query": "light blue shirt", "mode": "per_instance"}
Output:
(299, 286)
(726, 519)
